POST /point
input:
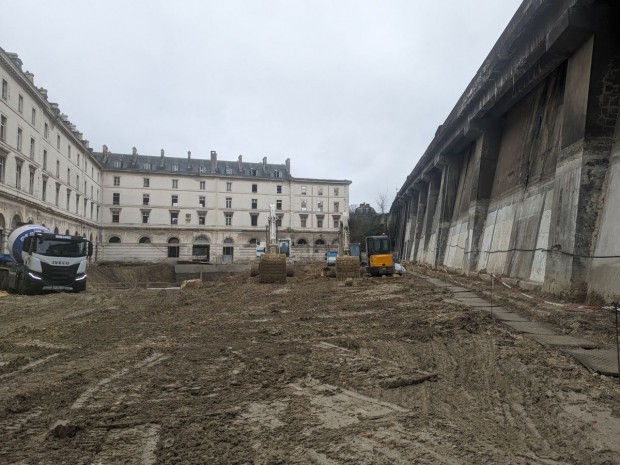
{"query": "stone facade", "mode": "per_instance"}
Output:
(48, 174)
(138, 208)
(521, 180)
(212, 210)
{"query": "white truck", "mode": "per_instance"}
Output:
(40, 260)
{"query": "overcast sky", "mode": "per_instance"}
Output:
(347, 89)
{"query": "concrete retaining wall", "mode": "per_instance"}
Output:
(523, 178)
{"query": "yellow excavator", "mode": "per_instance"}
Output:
(380, 260)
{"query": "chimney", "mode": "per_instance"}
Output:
(213, 161)
(15, 59)
(241, 163)
(106, 153)
(161, 159)
(189, 155)
(30, 76)
(288, 165)
(43, 92)
(265, 164)
(134, 155)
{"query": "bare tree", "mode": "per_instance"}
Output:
(382, 204)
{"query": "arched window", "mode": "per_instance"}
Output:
(173, 247)
(2, 225)
(115, 240)
(302, 242)
(201, 239)
(144, 240)
(67, 233)
(15, 221)
(253, 241)
(228, 250)
(320, 242)
(55, 229)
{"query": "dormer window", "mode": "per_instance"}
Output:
(252, 172)
(276, 174)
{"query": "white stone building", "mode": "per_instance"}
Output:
(158, 207)
(148, 208)
(48, 174)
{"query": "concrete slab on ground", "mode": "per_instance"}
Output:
(530, 327)
(458, 289)
(474, 302)
(564, 341)
(603, 361)
(436, 282)
(494, 309)
(509, 316)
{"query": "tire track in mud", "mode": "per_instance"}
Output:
(131, 443)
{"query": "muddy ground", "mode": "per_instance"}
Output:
(387, 371)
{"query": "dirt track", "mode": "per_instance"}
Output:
(311, 372)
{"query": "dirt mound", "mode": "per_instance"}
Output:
(130, 275)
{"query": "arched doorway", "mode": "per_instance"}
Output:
(144, 240)
(228, 251)
(173, 247)
(201, 249)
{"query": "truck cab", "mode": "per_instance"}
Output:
(43, 261)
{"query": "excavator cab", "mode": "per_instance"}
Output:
(380, 260)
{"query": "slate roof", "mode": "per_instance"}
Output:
(195, 166)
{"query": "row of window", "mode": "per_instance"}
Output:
(202, 202)
(146, 182)
(176, 167)
(33, 121)
(32, 151)
(202, 241)
(228, 217)
(19, 169)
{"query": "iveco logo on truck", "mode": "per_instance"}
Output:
(58, 262)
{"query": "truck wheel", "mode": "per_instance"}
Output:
(77, 289)
(21, 285)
